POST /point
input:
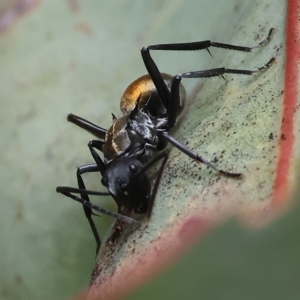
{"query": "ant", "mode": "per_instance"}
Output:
(151, 106)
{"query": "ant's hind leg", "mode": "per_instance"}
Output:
(87, 211)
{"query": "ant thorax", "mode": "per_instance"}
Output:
(132, 135)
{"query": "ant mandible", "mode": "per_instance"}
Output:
(150, 106)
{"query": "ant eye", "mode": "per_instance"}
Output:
(104, 181)
(133, 168)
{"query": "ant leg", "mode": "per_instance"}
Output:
(156, 76)
(222, 71)
(195, 156)
(168, 98)
(175, 96)
(85, 199)
(99, 166)
(201, 45)
(67, 191)
(87, 125)
(87, 211)
(96, 167)
(97, 145)
(174, 104)
(164, 155)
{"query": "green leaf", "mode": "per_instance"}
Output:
(59, 57)
(234, 262)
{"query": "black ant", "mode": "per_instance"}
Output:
(150, 106)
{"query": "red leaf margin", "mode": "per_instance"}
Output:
(287, 143)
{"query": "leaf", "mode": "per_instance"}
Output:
(234, 262)
(234, 122)
(59, 57)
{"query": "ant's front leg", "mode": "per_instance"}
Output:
(67, 191)
(195, 156)
(84, 198)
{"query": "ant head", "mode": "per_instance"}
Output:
(128, 184)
